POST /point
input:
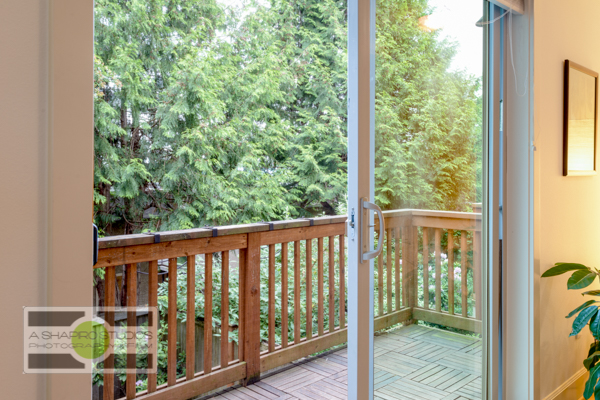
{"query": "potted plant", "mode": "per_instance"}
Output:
(586, 315)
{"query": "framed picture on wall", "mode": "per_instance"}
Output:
(580, 120)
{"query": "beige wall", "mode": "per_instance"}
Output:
(23, 183)
(567, 210)
(46, 147)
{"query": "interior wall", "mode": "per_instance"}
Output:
(23, 183)
(567, 210)
(46, 177)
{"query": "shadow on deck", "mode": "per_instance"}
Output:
(413, 362)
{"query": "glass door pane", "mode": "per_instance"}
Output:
(428, 182)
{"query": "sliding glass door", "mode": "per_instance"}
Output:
(423, 147)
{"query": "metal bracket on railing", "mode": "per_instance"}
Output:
(95, 236)
(155, 235)
(311, 220)
(271, 225)
(215, 232)
(365, 206)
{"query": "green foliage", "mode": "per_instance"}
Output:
(207, 114)
(587, 314)
(427, 118)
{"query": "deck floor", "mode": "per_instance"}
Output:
(411, 363)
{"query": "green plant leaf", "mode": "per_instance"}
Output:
(595, 326)
(581, 279)
(597, 391)
(581, 307)
(590, 385)
(561, 268)
(591, 293)
(594, 347)
(587, 363)
(582, 319)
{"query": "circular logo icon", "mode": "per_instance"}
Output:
(90, 339)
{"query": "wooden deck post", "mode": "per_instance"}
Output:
(409, 261)
(252, 309)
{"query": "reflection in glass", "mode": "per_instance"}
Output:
(428, 163)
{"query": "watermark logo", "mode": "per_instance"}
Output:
(88, 339)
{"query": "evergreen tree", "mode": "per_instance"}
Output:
(208, 114)
(426, 116)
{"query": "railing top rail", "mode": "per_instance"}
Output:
(217, 231)
(432, 213)
(197, 233)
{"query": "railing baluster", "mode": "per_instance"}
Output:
(389, 269)
(284, 295)
(331, 288)
(225, 310)
(425, 268)
(297, 279)
(342, 283)
(131, 329)
(208, 306)
(397, 272)
(252, 310)
(242, 269)
(190, 323)
(405, 251)
(309, 323)
(172, 324)
(320, 283)
(463, 274)
(271, 297)
(409, 253)
(477, 272)
(380, 278)
(438, 269)
(153, 340)
(414, 266)
(109, 316)
(450, 271)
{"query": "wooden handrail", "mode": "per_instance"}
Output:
(401, 298)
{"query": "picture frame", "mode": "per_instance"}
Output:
(580, 120)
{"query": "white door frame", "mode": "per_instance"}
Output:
(361, 140)
(361, 165)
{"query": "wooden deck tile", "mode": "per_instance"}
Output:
(411, 363)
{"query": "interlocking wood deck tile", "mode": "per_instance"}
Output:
(398, 364)
(334, 357)
(270, 389)
(340, 375)
(264, 394)
(411, 363)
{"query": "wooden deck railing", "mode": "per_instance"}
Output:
(408, 234)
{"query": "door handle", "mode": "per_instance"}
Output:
(367, 205)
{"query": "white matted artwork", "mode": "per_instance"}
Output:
(580, 120)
